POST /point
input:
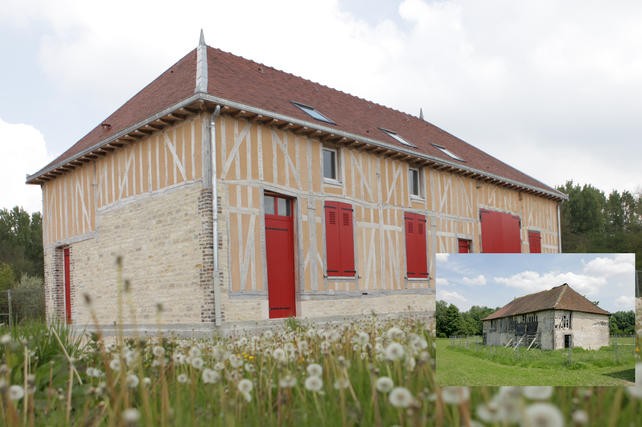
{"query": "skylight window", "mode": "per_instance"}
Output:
(448, 152)
(396, 136)
(313, 112)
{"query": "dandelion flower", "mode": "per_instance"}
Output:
(394, 351)
(210, 376)
(16, 392)
(315, 370)
(537, 392)
(182, 378)
(132, 381)
(384, 384)
(131, 415)
(543, 415)
(313, 383)
(455, 395)
(287, 381)
(580, 417)
(400, 397)
(245, 385)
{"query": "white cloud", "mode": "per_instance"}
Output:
(532, 281)
(615, 265)
(441, 258)
(474, 281)
(22, 151)
(441, 281)
(625, 303)
(453, 298)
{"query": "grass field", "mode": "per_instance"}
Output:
(480, 365)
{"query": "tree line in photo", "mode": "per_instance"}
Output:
(450, 322)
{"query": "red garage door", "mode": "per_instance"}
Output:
(500, 232)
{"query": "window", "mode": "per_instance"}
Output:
(396, 137)
(416, 260)
(339, 239)
(448, 152)
(414, 183)
(566, 320)
(330, 164)
(312, 112)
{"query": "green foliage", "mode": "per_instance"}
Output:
(21, 241)
(7, 276)
(622, 323)
(451, 322)
(592, 222)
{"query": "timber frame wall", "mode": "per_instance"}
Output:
(150, 202)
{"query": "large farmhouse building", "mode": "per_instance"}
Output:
(234, 191)
(552, 319)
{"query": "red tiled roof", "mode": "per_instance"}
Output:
(561, 297)
(241, 81)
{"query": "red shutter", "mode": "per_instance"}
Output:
(67, 284)
(535, 242)
(500, 232)
(416, 262)
(339, 237)
(464, 246)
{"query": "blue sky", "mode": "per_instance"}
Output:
(493, 280)
(552, 88)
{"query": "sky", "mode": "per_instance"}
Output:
(494, 280)
(550, 87)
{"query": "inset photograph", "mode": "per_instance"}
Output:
(536, 319)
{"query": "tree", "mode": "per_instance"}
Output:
(21, 241)
(7, 276)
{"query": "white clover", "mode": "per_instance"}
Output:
(131, 415)
(543, 414)
(537, 392)
(384, 384)
(132, 381)
(394, 351)
(16, 392)
(580, 417)
(182, 378)
(455, 395)
(315, 370)
(287, 381)
(313, 383)
(400, 397)
(210, 376)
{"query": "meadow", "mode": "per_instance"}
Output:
(372, 371)
(471, 363)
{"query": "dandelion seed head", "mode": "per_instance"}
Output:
(313, 383)
(147, 381)
(537, 392)
(394, 351)
(132, 381)
(114, 365)
(315, 370)
(287, 381)
(384, 384)
(16, 392)
(131, 415)
(158, 351)
(400, 397)
(341, 383)
(455, 395)
(5, 339)
(182, 378)
(580, 417)
(543, 414)
(635, 391)
(245, 385)
(197, 363)
(210, 376)
(395, 333)
(279, 355)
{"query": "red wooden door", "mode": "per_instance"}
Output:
(535, 242)
(279, 247)
(500, 232)
(416, 262)
(464, 246)
(67, 285)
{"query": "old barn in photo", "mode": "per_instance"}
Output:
(550, 320)
(237, 192)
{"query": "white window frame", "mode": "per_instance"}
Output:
(420, 193)
(394, 135)
(337, 165)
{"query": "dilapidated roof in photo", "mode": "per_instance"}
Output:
(207, 77)
(561, 297)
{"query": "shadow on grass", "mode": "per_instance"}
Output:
(626, 374)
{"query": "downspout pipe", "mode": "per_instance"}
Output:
(217, 289)
(559, 228)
